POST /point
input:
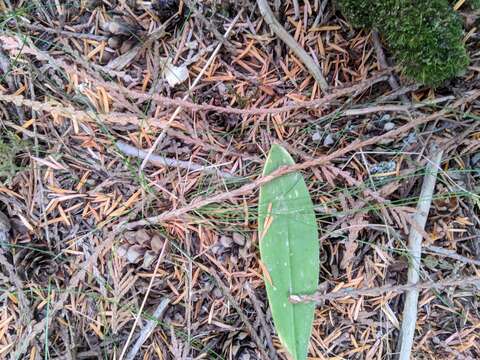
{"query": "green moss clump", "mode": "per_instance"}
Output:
(359, 13)
(425, 36)
(474, 4)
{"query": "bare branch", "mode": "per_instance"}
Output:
(158, 160)
(320, 297)
(415, 252)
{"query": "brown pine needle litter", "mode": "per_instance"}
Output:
(101, 260)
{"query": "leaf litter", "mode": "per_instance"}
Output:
(70, 93)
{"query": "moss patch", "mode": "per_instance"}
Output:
(425, 36)
(474, 4)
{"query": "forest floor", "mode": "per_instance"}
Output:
(97, 246)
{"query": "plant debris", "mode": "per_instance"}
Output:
(82, 82)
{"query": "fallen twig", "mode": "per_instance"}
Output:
(313, 68)
(415, 251)
(148, 328)
(158, 160)
(382, 62)
(320, 297)
(201, 202)
(452, 255)
(394, 108)
(247, 188)
(312, 104)
(37, 27)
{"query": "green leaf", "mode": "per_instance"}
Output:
(289, 251)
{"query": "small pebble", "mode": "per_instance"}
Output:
(122, 251)
(222, 89)
(217, 293)
(329, 140)
(389, 126)
(410, 139)
(149, 258)
(106, 57)
(238, 239)
(217, 249)
(316, 136)
(118, 28)
(156, 243)
(115, 42)
(226, 241)
(383, 167)
(134, 254)
(385, 117)
(142, 236)
(129, 236)
(4, 222)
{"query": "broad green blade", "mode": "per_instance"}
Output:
(289, 251)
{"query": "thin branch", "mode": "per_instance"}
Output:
(71, 113)
(415, 251)
(312, 104)
(158, 160)
(320, 297)
(247, 188)
(452, 255)
(195, 82)
(277, 28)
(37, 27)
(148, 329)
(394, 108)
